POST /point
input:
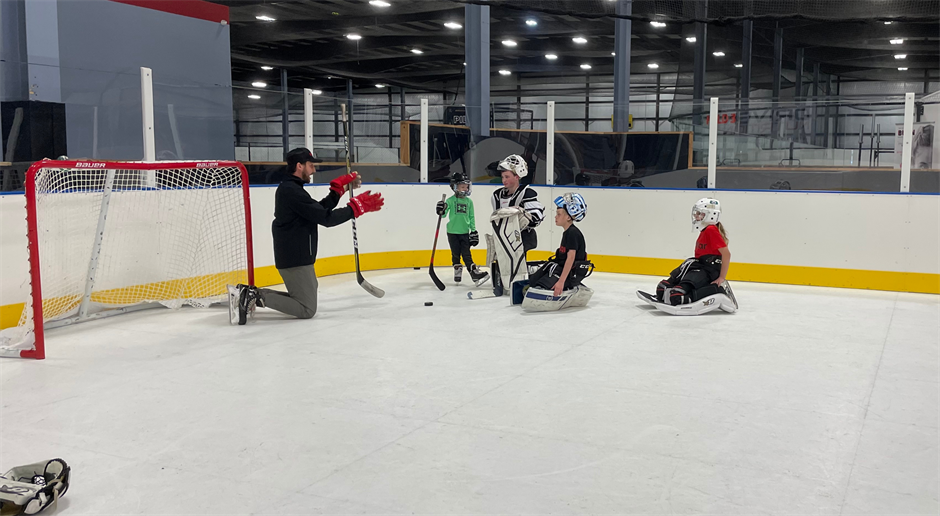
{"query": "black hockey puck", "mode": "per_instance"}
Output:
(428, 303)
(417, 268)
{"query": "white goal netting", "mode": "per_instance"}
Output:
(107, 238)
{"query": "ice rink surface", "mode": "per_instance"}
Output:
(806, 401)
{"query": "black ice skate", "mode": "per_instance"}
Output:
(478, 276)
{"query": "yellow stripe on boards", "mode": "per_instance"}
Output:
(760, 273)
(10, 314)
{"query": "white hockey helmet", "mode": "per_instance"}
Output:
(574, 204)
(515, 164)
(705, 212)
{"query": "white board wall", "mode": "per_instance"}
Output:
(879, 232)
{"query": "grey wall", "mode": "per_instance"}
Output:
(12, 54)
(101, 46)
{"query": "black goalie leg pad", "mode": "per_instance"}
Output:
(497, 279)
(677, 295)
(708, 290)
(546, 276)
(579, 271)
(661, 289)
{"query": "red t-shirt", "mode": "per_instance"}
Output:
(709, 242)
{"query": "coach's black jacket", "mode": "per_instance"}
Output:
(296, 216)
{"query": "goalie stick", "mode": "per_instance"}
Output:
(370, 288)
(437, 281)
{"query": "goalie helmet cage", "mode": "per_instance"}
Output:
(106, 238)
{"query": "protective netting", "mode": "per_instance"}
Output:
(111, 238)
(728, 11)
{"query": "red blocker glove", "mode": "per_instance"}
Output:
(365, 203)
(338, 185)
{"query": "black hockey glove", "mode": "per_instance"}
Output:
(474, 239)
(440, 208)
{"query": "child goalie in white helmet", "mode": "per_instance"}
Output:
(704, 274)
(516, 213)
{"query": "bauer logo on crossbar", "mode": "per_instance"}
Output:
(89, 165)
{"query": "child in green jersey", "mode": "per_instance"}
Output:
(461, 228)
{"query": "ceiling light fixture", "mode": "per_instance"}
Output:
(317, 92)
(267, 68)
(585, 66)
(504, 72)
(718, 54)
(264, 18)
(259, 84)
(380, 85)
(897, 41)
(417, 51)
(551, 57)
(579, 40)
(902, 68)
(354, 37)
(653, 66)
(888, 23)
(255, 97)
(690, 39)
(531, 23)
(900, 56)
(657, 24)
(379, 3)
(738, 65)
(613, 53)
(453, 25)
(509, 43)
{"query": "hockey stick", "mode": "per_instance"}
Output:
(370, 288)
(437, 281)
(481, 295)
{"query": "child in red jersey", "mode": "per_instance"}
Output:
(704, 274)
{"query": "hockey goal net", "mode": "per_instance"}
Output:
(106, 238)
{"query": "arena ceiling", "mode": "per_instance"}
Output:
(309, 38)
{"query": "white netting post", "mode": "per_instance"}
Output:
(96, 248)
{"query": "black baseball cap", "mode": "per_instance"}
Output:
(300, 155)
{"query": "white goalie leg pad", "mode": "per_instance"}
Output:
(540, 300)
(510, 253)
(700, 307)
(31, 488)
(490, 249)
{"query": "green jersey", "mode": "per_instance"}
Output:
(460, 211)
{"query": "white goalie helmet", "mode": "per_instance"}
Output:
(705, 212)
(515, 164)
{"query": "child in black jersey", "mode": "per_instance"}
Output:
(569, 266)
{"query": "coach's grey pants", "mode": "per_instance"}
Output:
(301, 297)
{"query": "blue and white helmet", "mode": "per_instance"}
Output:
(574, 204)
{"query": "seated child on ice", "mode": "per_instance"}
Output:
(569, 266)
(703, 275)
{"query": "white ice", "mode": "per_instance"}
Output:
(807, 401)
